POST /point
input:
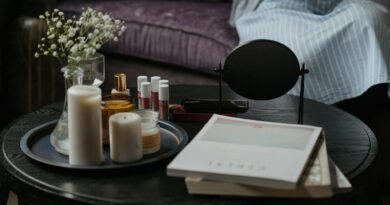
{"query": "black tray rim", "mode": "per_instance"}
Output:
(183, 140)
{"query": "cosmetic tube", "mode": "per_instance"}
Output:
(140, 79)
(155, 84)
(145, 95)
(163, 96)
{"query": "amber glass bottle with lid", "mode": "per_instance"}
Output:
(118, 101)
(120, 91)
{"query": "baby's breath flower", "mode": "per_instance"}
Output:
(53, 46)
(123, 28)
(36, 54)
(106, 17)
(69, 44)
(74, 49)
(71, 40)
(62, 39)
(59, 24)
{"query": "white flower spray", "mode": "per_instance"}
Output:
(71, 40)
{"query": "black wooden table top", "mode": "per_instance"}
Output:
(350, 143)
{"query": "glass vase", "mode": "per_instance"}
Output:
(89, 71)
(93, 69)
(73, 75)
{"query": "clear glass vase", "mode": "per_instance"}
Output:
(93, 69)
(73, 75)
(88, 71)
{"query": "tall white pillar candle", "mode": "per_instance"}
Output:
(85, 125)
(125, 137)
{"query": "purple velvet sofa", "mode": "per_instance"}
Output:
(185, 39)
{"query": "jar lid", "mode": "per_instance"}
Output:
(164, 81)
(163, 93)
(155, 83)
(145, 90)
(140, 79)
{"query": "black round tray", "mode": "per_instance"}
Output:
(36, 145)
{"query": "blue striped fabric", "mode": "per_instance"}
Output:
(345, 44)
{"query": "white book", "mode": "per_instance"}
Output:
(318, 184)
(248, 152)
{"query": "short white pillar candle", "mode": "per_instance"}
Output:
(125, 137)
(85, 125)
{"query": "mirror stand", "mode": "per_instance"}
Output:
(302, 73)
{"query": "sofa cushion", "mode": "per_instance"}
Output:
(186, 33)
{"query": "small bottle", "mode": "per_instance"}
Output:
(163, 96)
(150, 130)
(140, 79)
(151, 139)
(120, 90)
(118, 101)
(145, 95)
(155, 84)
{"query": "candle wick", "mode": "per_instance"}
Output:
(124, 117)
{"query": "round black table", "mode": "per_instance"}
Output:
(350, 143)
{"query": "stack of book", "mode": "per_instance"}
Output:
(239, 157)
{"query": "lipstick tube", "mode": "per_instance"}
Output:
(145, 95)
(140, 79)
(155, 84)
(163, 96)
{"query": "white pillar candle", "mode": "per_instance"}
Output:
(125, 137)
(85, 125)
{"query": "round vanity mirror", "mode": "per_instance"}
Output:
(261, 69)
